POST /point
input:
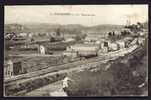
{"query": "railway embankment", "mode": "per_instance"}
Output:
(124, 76)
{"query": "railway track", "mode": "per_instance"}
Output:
(57, 68)
(67, 66)
(60, 72)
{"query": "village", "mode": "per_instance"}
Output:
(29, 56)
(63, 50)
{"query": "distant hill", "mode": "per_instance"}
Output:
(70, 28)
(103, 28)
(13, 28)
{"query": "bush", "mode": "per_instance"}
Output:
(117, 80)
(89, 83)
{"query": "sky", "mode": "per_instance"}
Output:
(87, 15)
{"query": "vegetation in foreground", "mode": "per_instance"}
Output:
(124, 77)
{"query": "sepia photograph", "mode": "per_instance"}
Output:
(75, 50)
